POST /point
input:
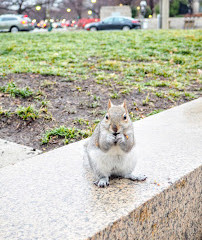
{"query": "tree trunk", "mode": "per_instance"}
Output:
(20, 10)
(151, 4)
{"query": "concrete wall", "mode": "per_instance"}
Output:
(52, 195)
(171, 215)
(115, 11)
(175, 23)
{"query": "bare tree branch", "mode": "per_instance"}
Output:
(21, 6)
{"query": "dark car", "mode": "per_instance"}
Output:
(114, 23)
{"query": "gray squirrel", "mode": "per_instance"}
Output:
(111, 148)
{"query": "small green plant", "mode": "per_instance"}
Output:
(95, 112)
(91, 128)
(126, 91)
(4, 112)
(157, 83)
(81, 121)
(43, 112)
(48, 83)
(160, 94)
(96, 121)
(135, 117)
(96, 98)
(140, 89)
(154, 112)
(189, 95)
(44, 103)
(78, 88)
(40, 93)
(94, 104)
(115, 95)
(69, 134)
(14, 91)
(27, 113)
(174, 94)
(178, 60)
(146, 100)
(102, 112)
(99, 82)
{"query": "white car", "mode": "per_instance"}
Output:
(14, 23)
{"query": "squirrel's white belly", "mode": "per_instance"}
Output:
(114, 162)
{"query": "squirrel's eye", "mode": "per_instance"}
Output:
(124, 117)
(107, 116)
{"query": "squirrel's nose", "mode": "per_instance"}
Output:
(114, 128)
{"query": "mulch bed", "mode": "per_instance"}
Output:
(68, 101)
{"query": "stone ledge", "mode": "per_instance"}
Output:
(10, 152)
(51, 196)
(173, 214)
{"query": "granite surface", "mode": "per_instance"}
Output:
(10, 152)
(51, 196)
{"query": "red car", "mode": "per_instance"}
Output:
(82, 22)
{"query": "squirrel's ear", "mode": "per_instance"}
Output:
(124, 105)
(109, 104)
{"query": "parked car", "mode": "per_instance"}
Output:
(14, 23)
(57, 25)
(83, 21)
(114, 23)
(41, 24)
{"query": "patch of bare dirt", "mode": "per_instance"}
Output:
(67, 102)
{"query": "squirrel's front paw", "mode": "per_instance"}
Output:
(111, 138)
(120, 138)
(102, 182)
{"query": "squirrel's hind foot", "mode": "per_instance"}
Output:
(102, 182)
(136, 178)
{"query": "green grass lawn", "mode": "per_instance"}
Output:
(157, 69)
(174, 55)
